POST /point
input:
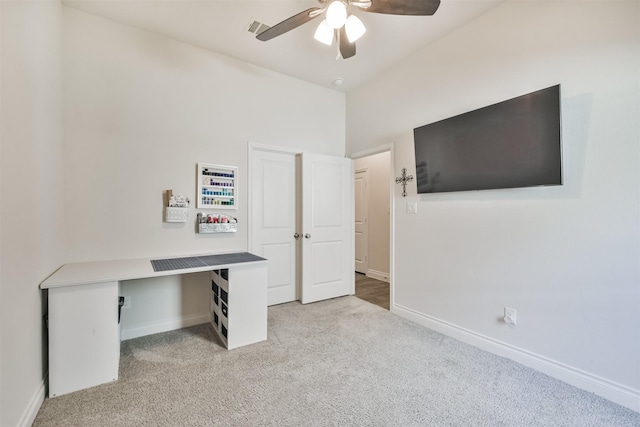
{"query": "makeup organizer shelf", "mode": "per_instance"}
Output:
(217, 185)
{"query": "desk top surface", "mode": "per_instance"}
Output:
(109, 271)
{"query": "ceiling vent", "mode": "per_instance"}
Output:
(257, 27)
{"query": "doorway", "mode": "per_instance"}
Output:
(373, 226)
(361, 192)
(301, 220)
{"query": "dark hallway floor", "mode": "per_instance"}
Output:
(372, 290)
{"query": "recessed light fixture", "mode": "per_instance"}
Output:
(338, 81)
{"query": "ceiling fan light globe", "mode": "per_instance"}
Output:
(354, 28)
(324, 33)
(336, 14)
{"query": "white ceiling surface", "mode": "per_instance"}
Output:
(221, 26)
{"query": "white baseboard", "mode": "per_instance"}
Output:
(31, 411)
(618, 393)
(170, 325)
(378, 275)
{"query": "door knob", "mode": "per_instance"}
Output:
(307, 236)
(296, 236)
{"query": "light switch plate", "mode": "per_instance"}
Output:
(412, 208)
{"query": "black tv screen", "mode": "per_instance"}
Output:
(514, 143)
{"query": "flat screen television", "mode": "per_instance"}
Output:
(514, 143)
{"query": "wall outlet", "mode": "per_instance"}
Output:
(127, 302)
(412, 208)
(510, 316)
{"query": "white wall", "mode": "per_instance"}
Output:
(565, 257)
(31, 231)
(140, 111)
(378, 175)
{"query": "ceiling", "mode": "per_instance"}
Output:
(222, 26)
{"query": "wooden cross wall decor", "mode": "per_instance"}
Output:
(403, 179)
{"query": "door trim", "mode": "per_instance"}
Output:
(390, 147)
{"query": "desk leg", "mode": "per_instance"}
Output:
(84, 340)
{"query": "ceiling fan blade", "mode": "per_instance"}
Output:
(404, 7)
(289, 24)
(347, 49)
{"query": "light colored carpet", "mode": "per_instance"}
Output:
(342, 362)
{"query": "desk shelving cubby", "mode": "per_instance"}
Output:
(238, 307)
(217, 186)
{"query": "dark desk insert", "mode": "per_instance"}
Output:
(169, 264)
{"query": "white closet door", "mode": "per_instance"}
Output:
(327, 228)
(273, 221)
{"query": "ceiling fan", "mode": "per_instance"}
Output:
(344, 27)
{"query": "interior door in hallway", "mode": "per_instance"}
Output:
(327, 228)
(274, 202)
(361, 224)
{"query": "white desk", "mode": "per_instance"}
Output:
(84, 334)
